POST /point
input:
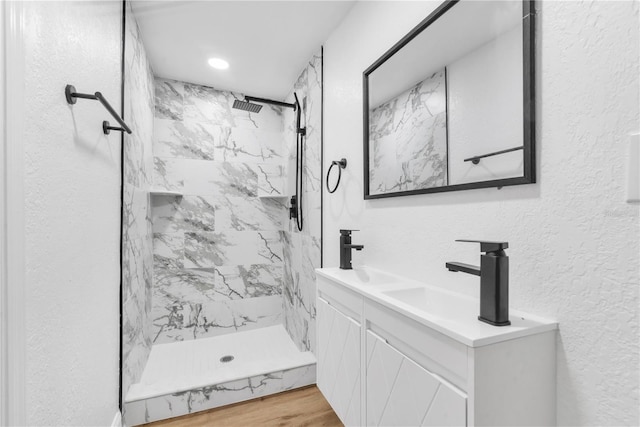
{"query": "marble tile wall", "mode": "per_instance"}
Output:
(218, 249)
(137, 255)
(408, 139)
(302, 250)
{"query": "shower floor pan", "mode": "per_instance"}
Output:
(190, 376)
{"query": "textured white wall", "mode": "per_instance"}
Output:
(3, 283)
(72, 186)
(574, 243)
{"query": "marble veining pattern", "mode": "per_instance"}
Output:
(248, 145)
(137, 254)
(218, 253)
(302, 253)
(302, 250)
(237, 179)
(206, 104)
(408, 139)
(239, 214)
(184, 139)
(169, 98)
(167, 175)
(179, 319)
(250, 281)
(200, 399)
(206, 250)
(270, 180)
(223, 256)
(227, 257)
(168, 251)
(177, 214)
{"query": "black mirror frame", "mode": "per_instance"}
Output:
(529, 107)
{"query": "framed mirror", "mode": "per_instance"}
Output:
(451, 106)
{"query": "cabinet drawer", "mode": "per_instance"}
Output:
(402, 393)
(430, 349)
(339, 362)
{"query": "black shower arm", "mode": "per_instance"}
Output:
(269, 101)
(296, 107)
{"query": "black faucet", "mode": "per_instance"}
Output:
(494, 281)
(345, 249)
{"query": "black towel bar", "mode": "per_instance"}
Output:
(476, 159)
(71, 95)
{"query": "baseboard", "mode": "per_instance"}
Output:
(117, 420)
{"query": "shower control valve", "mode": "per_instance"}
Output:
(293, 210)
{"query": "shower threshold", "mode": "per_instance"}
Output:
(189, 376)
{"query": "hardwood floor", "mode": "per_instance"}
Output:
(300, 407)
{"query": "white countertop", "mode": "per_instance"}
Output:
(450, 313)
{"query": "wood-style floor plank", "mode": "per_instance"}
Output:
(301, 407)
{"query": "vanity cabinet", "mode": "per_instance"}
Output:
(402, 393)
(338, 375)
(378, 366)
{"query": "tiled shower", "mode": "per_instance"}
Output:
(218, 256)
(212, 264)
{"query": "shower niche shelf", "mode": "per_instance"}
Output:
(271, 196)
(160, 192)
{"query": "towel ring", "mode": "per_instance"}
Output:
(342, 164)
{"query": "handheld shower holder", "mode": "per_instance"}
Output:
(295, 211)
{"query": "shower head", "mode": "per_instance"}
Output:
(247, 106)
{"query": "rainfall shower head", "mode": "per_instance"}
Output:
(247, 106)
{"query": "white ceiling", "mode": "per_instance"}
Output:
(461, 30)
(267, 43)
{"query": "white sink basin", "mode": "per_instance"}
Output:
(450, 313)
(438, 304)
(367, 277)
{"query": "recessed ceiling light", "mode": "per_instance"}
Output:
(218, 63)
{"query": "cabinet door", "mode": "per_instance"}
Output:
(401, 393)
(339, 361)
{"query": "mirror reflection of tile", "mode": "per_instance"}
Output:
(398, 130)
